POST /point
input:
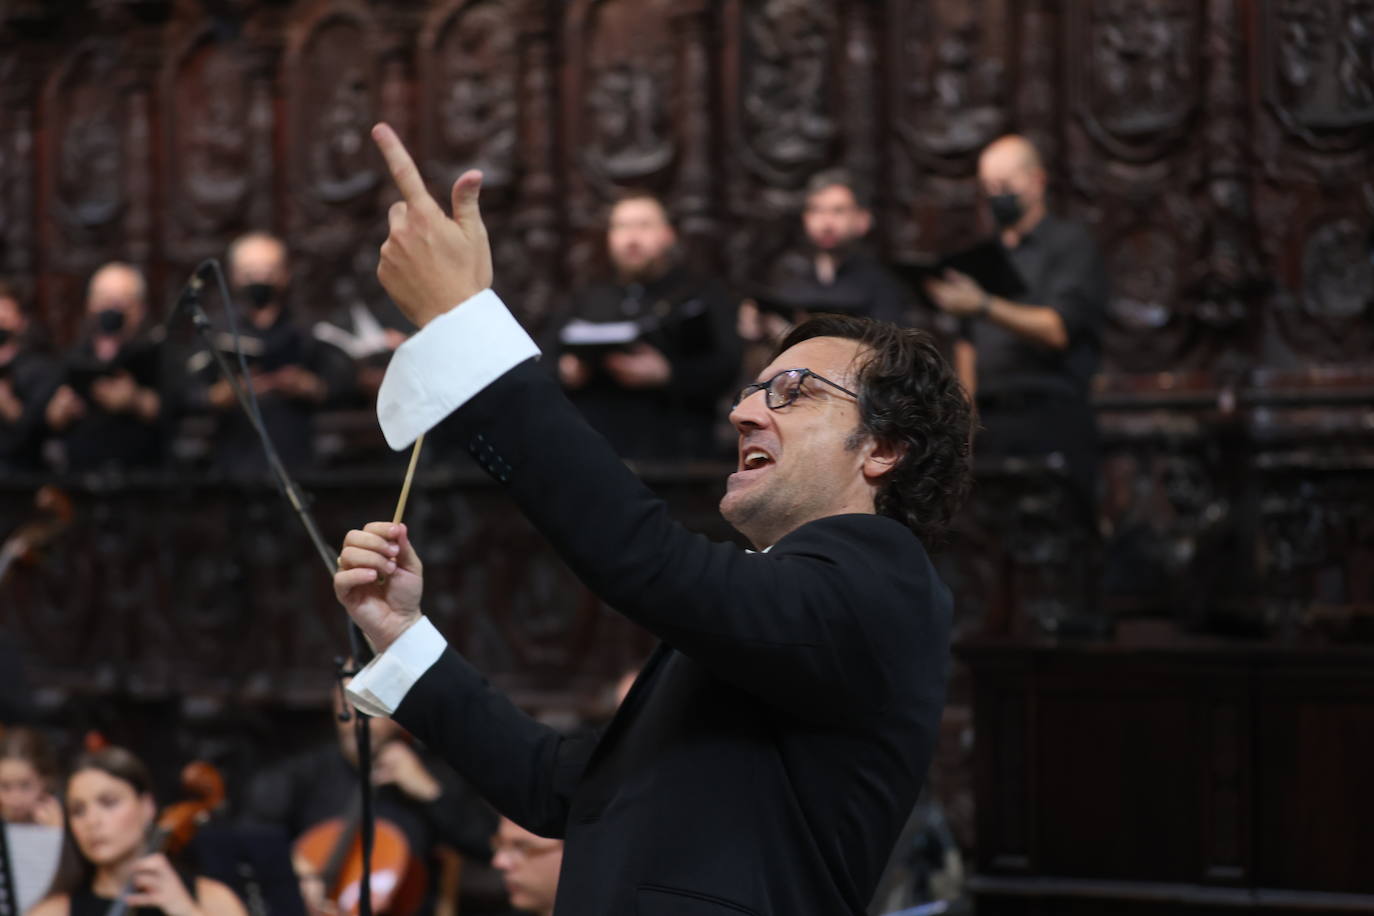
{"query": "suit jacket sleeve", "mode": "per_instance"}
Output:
(805, 626)
(526, 769)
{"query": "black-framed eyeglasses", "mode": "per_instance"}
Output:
(784, 388)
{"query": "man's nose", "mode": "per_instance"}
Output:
(751, 412)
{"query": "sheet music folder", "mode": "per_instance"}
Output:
(986, 262)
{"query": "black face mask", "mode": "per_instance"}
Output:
(1006, 209)
(109, 321)
(260, 295)
(6, 335)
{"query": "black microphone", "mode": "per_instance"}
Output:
(189, 296)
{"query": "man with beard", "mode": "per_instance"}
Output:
(108, 413)
(27, 381)
(292, 372)
(769, 752)
(647, 354)
(838, 273)
(1030, 363)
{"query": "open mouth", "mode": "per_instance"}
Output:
(754, 458)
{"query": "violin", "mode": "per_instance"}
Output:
(53, 513)
(177, 824)
(329, 856)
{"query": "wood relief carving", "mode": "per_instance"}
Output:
(1144, 330)
(787, 97)
(86, 114)
(16, 166)
(1037, 102)
(1335, 296)
(1320, 75)
(210, 174)
(472, 89)
(1137, 80)
(334, 108)
(952, 80)
(625, 64)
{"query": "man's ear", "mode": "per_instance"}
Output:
(882, 457)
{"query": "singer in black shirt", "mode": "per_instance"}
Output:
(27, 381)
(1030, 364)
(109, 409)
(653, 392)
(293, 373)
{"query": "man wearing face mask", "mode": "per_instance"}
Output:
(1030, 363)
(108, 411)
(653, 394)
(292, 373)
(27, 380)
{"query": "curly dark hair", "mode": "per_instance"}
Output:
(908, 395)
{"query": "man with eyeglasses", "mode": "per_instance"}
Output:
(767, 756)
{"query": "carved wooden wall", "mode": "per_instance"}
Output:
(1220, 149)
(1223, 151)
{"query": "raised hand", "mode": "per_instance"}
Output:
(429, 262)
(380, 581)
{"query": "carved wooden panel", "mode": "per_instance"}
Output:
(783, 119)
(1223, 152)
(948, 91)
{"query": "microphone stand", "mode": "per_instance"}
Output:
(189, 300)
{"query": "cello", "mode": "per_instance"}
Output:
(328, 858)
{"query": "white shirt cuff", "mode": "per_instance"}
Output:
(446, 363)
(384, 682)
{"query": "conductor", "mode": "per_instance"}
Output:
(768, 754)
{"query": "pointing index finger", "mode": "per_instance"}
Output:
(403, 169)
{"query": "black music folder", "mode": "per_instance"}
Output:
(986, 262)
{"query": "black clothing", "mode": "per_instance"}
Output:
(691, 320)
(290, 422)
(862, 286)
(768, 755)
(1033, 400)
(320, 784)
(1063, 270)
(33, 377)
(84, 901)
(104, 440)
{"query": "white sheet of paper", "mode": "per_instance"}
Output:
(579, 333)
(34, 853)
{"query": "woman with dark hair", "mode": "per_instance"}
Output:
(28, 778)
(110, 811)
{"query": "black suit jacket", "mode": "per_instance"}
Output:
(770, 752)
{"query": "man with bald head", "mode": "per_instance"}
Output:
(293, 373)
(1030, 363)
(108, 411)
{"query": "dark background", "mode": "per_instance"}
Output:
(1222, 150)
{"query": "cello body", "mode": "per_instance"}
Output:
(329, 859)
